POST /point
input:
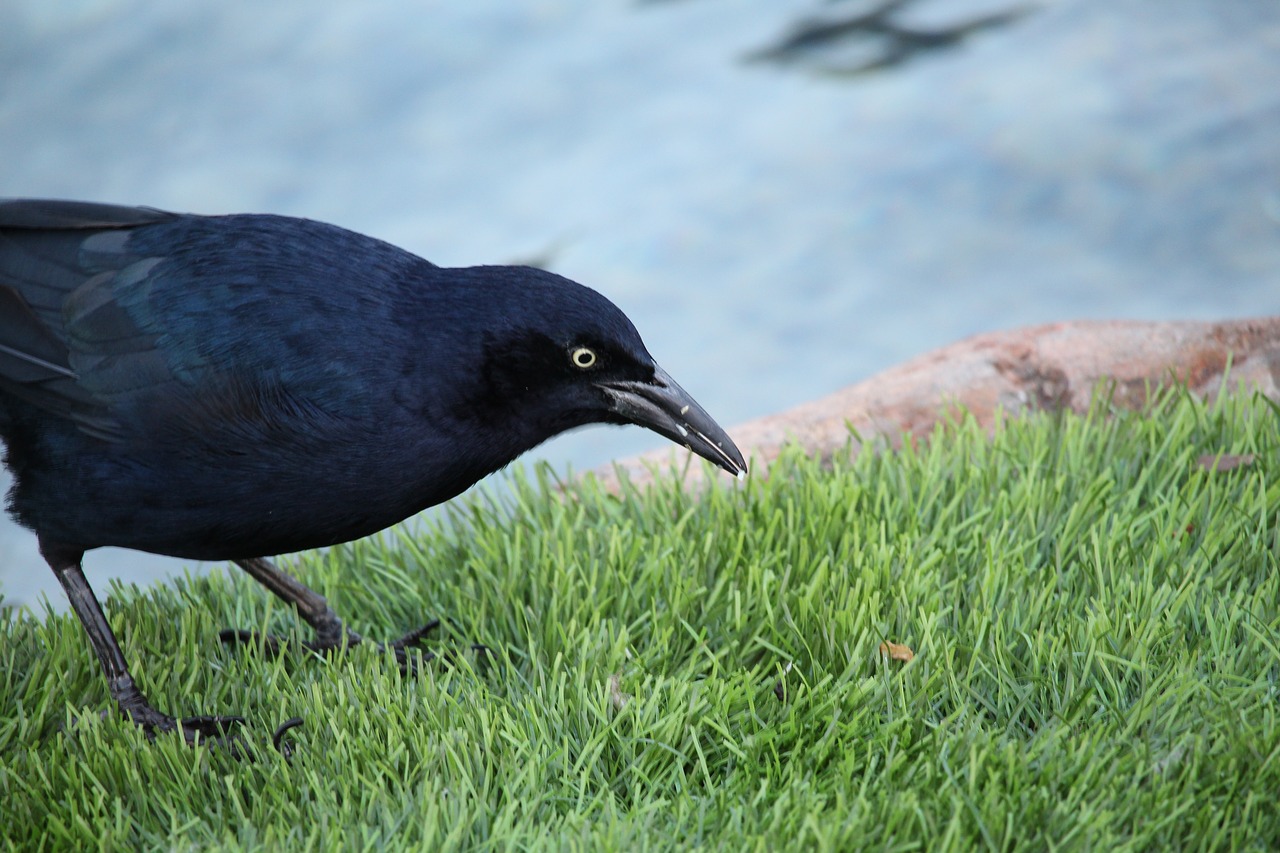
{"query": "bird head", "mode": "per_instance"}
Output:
(558, 355)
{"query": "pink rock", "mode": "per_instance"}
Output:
(1048, 367)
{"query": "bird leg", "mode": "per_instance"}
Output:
(65, 562)
(330, 631)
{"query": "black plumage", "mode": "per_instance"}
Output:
(237, 387)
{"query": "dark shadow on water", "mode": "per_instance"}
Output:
(853, 38)
(876, 38)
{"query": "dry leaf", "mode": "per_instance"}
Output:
(1225, 462)
(896, 651)
(616, 696)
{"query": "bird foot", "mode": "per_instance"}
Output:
(336, 640)
(216, 728)
(138, 711)
(212, 730)
(220, 732)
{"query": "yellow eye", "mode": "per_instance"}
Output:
(582, 357)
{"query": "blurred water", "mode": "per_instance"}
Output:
(776, 231)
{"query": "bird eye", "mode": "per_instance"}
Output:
(583, 357)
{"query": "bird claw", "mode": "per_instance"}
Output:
(284, 747)
(219, 732)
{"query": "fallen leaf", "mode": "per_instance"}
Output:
(896, 651)
(1171, 760)
(616, 696)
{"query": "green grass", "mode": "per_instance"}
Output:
(1095, 620)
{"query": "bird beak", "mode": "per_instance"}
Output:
(667, 409)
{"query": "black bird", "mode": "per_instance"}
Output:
(236, 387)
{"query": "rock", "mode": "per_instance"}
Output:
(1038, 368)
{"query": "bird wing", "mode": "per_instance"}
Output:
(131, 321)
(66, 345)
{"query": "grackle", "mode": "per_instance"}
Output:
(237, 387)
